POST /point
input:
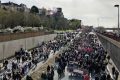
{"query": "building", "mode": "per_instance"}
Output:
(42, 11)
(49, 12)
(14, 7)
(45, 12)
(59, 12)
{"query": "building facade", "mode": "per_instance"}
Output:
(14, 7)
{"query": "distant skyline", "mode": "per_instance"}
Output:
(91, 12)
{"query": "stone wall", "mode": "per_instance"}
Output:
(8, 48)
(112, 47)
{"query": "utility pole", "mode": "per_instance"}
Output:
(118, 17)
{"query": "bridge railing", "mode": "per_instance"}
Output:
(111, 35)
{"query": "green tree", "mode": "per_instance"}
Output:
(61, 24)
(74, 24)
(34, 9)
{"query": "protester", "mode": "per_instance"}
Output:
(43, 75)
(24, 60)
(116, 75)
(113, 70)
(28, 77)
(84, 57)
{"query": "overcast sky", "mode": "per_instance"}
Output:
(91, 12)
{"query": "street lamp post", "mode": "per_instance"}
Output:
(118, 16)
(98, 19)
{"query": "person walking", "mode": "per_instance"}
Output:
(116, 75)
(108, 77)
(113, 70)
(59, 71)
(43, 75)
(48, 68)
(86, 77)
(28, 77)
(52, 73)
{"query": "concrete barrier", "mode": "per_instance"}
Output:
(8, 48)
(112, 47)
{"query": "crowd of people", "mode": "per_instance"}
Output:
(49, 75)
(19, 66)
(85, 59)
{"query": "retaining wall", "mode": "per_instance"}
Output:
(8, 48)
(112, 47)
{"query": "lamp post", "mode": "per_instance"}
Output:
(118, 17)
(98, 20)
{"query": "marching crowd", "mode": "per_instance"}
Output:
(85, 60)
(19, 66)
